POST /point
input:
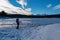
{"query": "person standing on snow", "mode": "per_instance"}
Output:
(17, 21)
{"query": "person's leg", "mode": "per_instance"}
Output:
(17, 27)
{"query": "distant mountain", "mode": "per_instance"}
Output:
(4, 14)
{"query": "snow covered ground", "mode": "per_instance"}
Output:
(30, 29)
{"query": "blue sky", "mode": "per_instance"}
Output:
(41, 6)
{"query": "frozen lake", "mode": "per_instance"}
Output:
(28, 21)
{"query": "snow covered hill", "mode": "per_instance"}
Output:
(31, 32)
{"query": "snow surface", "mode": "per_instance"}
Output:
(32, 31)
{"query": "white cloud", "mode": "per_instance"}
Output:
(56, 7)
(28, 9)
(22, 2)
(9, 8)
(49, 5)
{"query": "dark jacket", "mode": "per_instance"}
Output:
(17, 21)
